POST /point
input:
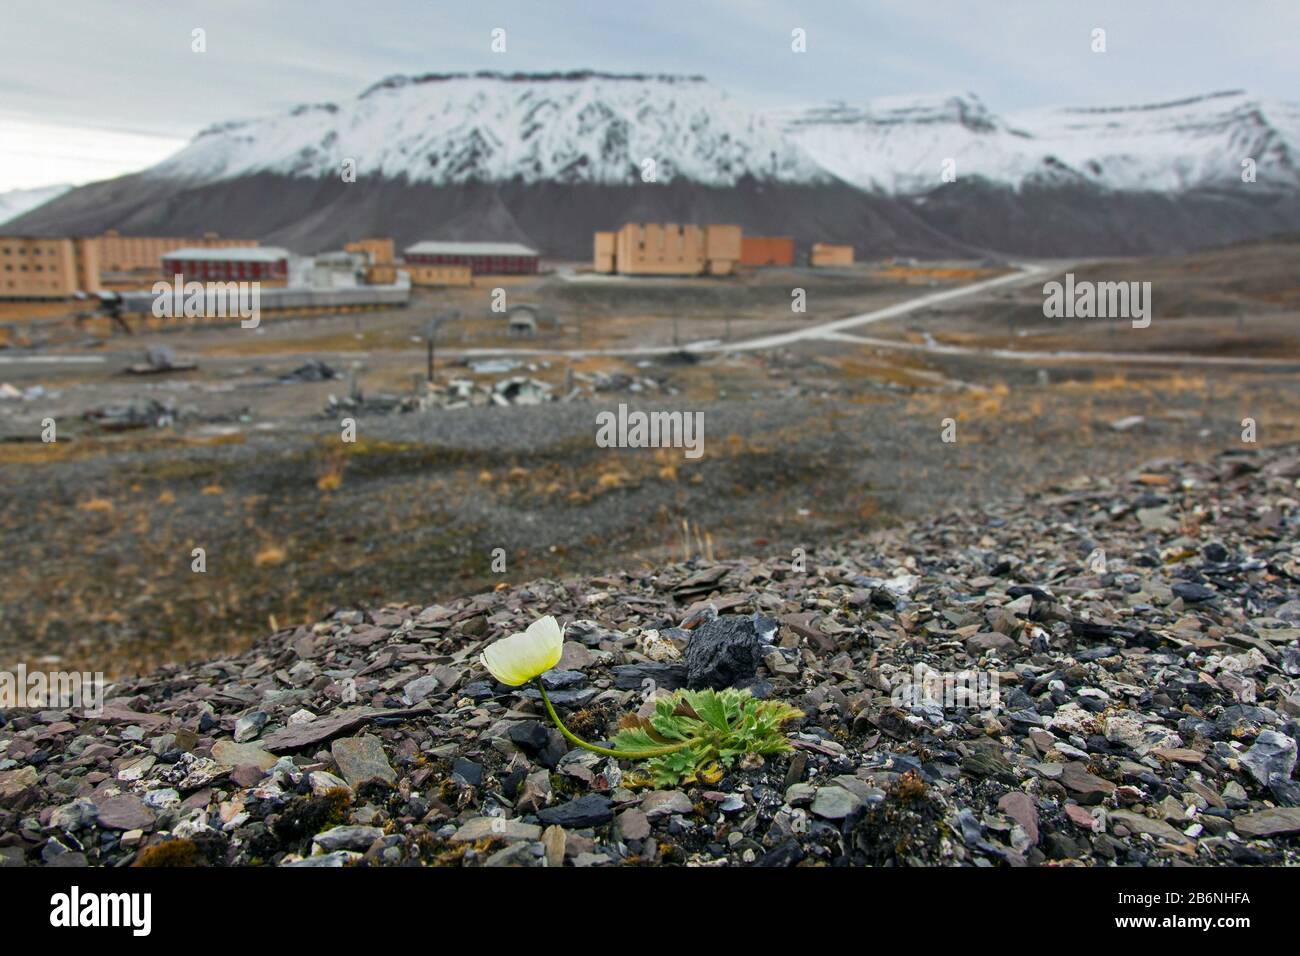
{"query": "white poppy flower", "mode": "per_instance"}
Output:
(517, 659)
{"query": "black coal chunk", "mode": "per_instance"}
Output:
(591, 810)
(726, 651)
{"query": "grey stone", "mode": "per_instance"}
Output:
(633, 824)
(322, 782)
(536, 791)
(1156, 519)
(1193, 593)
(231, 754)
(361, 759)
(249, 726)
(800, 794)
(835, 803)
(987, 641)
(1268, 822)
(1143, 824)
(75, 815)
(1077, 777)
(420, 688)
(338, 858)
(323, 728)
(162, 799)
(137, 770)
(1271, 753)
(14, 782)
(520, 853)
(479, 828)
(663, 803)
(124, 812)
(347, 838)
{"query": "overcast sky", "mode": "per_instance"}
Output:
(92, 88)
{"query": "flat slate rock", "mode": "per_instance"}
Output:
(1268, 822)
(362, 760)
(593, 810)
(1144, 824)
(230, 754)
(304, 735)
(482, 828)
(124, 812)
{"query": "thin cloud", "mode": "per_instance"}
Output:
(90, 62)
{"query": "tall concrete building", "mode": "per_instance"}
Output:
(379, 251)
(119, 253)
(35, 267)
(668, 249)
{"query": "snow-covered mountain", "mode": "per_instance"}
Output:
(899, 145)
(547, 159)
(15, 202)
(586, 127)
(443, 129)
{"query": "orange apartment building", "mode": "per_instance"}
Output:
(828, 255)
(384, 273)
(668, 249)
(436, 275)
(766, 251)
(33, 267)
(378, 251)
(606, 252)
(381, 267)
(119, 253)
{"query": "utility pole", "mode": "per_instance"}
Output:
(430, 333)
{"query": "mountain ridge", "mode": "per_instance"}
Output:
(548, 157)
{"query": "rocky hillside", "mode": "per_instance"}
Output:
(1140, 631)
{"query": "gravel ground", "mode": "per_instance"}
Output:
(1135, 635)
(101, 529)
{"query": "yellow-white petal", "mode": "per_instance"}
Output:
(517, 659)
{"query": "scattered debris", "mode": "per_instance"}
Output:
(159, 359)
(138, 413)
(314, 370)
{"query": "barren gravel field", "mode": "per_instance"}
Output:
(806, 443)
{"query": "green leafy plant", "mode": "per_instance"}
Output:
(692, 735)
(714, 729)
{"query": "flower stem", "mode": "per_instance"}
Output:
(607, 751)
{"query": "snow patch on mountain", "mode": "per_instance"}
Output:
(589, 127)
(15, 202)
(899, 145)
(443, 129)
